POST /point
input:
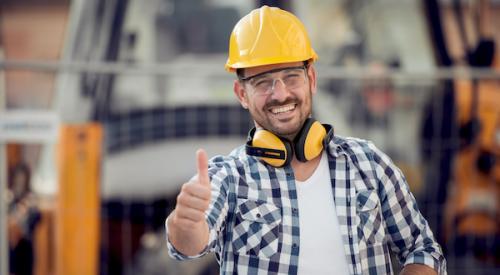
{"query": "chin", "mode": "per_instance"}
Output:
(286, 130)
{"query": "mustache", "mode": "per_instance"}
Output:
(274, 103)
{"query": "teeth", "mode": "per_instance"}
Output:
(283, 109)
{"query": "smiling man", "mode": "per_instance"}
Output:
(296, 199)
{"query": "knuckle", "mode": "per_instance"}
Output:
(207, 194)
(182, 199)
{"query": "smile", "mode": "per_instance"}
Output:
(283, 109)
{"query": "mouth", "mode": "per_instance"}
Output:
(277, 110)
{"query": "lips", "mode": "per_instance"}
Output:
(283, 109)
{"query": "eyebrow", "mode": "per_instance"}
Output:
(271, 71)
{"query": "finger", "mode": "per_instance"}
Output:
(185, 224)
(191, 201)
(202, 164)
(198, 190)
(190, 214)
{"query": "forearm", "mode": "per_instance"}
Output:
(417, 269)
(189, 239)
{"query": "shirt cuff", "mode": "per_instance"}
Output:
(435, 261)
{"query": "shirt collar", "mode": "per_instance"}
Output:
(335, 147)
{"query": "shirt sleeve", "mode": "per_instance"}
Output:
(215, 215)
(410, 235)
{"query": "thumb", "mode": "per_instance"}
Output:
(202, 166)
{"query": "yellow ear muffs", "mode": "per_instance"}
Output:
(278, 152)
(309, 142)
(269, 148)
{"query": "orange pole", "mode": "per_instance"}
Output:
(78, 206)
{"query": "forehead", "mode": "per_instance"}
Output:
(260, 69)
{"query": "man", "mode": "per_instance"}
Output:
(296, 199)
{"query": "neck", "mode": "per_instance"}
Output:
(304, 170)
(290, 138)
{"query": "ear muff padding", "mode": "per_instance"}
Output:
(310, 140)
(270, 148)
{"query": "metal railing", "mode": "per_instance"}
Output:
(211, 69)
(207, 69)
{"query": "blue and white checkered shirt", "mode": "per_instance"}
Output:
(254, 215)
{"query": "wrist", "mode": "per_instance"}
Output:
(188, 239)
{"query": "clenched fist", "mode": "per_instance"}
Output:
(194, 198)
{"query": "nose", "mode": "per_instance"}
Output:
(279, 91)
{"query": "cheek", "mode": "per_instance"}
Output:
(255, 104)
(256, 110)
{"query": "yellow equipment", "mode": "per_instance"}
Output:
(277, 151)
(268, 35)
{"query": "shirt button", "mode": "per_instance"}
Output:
(258, 215)
(295, 246)
(295, 211)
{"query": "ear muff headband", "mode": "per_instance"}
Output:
(269, 148)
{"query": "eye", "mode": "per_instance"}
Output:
(263, 84)
(292, 78)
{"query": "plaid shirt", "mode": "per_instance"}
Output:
(254, 215)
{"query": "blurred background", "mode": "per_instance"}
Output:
(103, 104)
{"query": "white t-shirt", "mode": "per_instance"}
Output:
(321, 247)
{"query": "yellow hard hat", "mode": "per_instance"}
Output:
(268, 35)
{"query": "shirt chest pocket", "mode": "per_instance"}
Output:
(257, 228)
(370, 227)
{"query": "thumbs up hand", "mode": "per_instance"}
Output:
(194, 197)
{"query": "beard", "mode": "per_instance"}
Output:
(290, 128)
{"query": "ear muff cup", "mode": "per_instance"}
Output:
(309, 142)
(273, 150)
(278, 151)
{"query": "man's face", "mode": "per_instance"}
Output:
(279, 96)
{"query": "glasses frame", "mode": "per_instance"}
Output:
(248, 78)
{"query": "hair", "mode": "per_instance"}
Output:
(239, 73)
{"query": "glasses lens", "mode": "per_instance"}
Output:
(292, 78)
(262, 84)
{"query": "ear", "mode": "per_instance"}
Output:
(311, 73)
(239, 91)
